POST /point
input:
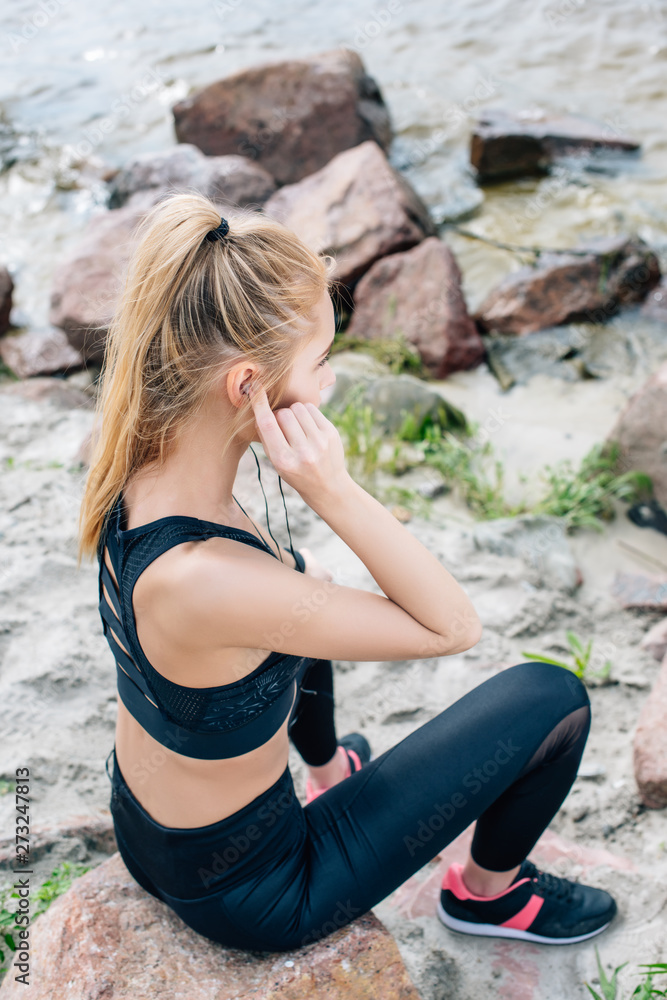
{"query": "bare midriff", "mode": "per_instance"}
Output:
(180, 791)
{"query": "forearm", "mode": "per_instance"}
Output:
(407, 573)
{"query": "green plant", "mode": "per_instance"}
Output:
(584, 496)
(643, 991)
(55, 885)
(357, 427)
(394, 352)
(581, 656)
(469, 470)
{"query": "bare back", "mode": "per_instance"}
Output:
(176, 790)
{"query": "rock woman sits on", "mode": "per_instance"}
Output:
(224, 640)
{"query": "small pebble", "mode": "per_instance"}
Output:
(591, 770)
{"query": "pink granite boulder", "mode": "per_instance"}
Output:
(291, 117)
(589, 285)
(231, 180)
(641, 432)
(655, 640)
(650, 745)
(357, 208)
(418, 294)
(108, 938)
(39, 352)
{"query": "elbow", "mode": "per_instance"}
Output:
(470, 635)
(474, 635)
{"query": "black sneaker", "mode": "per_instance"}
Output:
(535, 907)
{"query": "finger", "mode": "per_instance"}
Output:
(269, 430)
(318, 417)
(303, 414)
(291, 426)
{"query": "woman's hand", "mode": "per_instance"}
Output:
(313, 567)
(302, 445)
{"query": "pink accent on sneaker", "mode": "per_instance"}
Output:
(524, 918)
(453, 880)
(312, 793)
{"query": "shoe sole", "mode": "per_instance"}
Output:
(492, 930)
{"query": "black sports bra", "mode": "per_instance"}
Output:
(208, 723)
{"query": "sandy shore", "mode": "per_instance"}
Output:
(58, 696)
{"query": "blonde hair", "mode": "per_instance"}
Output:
(189, 310)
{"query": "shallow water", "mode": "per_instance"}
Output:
(81, 90)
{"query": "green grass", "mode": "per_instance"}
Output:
(396, 353)
(580, 660)
(41, 898)
(583, 497)
(643, 991)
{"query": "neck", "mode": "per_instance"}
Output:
(193, 480)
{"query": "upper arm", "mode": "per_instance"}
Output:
(249, 599)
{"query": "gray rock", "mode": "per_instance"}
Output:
(539, 540)
(39, 352)
(391, 397)
(232, 180)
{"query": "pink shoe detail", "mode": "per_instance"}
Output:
(453, 880)
(312, 793)
(524, 918)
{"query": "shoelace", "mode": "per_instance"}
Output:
(549, 885)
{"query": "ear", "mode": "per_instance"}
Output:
(237, 384)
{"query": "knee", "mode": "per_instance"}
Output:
(548, 680)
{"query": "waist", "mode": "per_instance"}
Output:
(188, 862)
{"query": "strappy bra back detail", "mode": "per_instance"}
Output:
(207, 723)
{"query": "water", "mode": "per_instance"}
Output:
(96, 83)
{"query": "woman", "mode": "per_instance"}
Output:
(223, 641)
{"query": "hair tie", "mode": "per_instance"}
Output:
(219, 233)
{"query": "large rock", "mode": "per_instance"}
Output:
(292, 117)
(418, 294)
(39, 352)
(650, 745)
(641, 431)
(564, 286)
(6, 289)
(391, 398)
(87, 284)
(108, 939)
(357, 208)
(655, 640)
(232, 180)
(540, 541)
(508, 145)
(639, 590)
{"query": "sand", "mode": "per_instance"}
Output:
(57, 678)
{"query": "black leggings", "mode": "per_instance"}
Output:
(276, 875)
